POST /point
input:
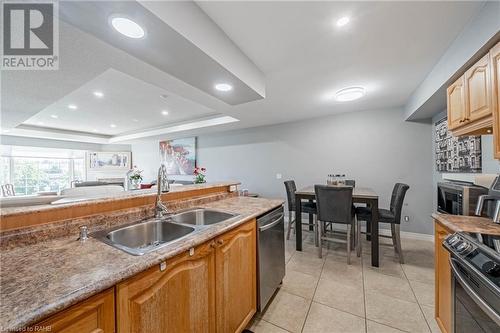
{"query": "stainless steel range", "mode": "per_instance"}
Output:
(476, 284)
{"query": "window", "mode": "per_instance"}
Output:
(33, 170)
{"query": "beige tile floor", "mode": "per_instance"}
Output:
(327, 295)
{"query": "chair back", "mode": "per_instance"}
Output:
(350, 182)
(8, 190)
(334, 203)
(397, 199)
(290, 194)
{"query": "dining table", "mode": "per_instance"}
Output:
(361, 195)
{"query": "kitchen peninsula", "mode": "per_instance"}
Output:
(49, 278)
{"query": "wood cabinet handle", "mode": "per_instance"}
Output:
(220, 241)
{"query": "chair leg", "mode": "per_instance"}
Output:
(393, 236)
(349, 244)
(398, 243)
(358, 236)
(290, 222)
(316, 240)
(318, 233)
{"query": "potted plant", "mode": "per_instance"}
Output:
(199, 175)
(136, 178)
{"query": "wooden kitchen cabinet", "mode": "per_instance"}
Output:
(495, 80)
(94, 315)
(478, 90)
(178, 298)
(443, 287)
(455, 97)
(469, 101)
(236, 272)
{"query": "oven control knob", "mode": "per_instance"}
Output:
(464, 248)
(453, 239)
(492, 268)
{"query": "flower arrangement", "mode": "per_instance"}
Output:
(136, 175)
(199, 175)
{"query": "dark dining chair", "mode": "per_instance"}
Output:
(334, 205)
(391, 215)
(306, 207)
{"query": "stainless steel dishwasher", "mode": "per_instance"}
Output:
(271, 254)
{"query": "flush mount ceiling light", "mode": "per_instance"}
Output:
(349, 94)
(343, 21)
(98, 94)
(54, 116)
(127, 27)
(223, 87)
(164, 112)
(72, 107)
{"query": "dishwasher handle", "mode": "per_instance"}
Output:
(272, 224)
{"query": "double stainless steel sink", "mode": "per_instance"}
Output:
(150, 235)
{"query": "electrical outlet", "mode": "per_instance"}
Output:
(278, 176)
(407, 218)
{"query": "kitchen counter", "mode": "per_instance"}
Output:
(473, 224)
(41, 279)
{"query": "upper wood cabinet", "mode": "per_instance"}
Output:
(178, 298)
(94, 315)
(236, 271)
(469, 101)
(495, 79)
(478, 90)
(455, 96)
(443, 296)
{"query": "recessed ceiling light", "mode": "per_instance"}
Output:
(112, 125)
(72, 107)
(349, 94)
(223, 87)
(127, 27)
(98, 94)
(343, 21)
(55, 116)
(164, 112)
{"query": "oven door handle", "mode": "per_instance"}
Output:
(272, 224)
(482, 304)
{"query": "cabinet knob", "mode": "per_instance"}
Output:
(220, 242)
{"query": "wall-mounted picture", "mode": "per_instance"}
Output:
(104, 160)
(456, 154)
(179, 156)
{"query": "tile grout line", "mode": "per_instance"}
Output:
(415, 295)
(312, 300)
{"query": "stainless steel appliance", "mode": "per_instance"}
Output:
(489, 204)
(271, 254)
(476, 284)
(458, 198)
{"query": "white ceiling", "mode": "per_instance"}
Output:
(129, 103)
(388, 47)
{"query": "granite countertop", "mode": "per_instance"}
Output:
(473, 224)
(7, 211)
(41, 279)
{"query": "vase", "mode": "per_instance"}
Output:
(136, 184)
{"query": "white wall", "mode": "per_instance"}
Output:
(377, 148)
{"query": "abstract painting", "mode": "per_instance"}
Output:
(456, 154)
(179, 156)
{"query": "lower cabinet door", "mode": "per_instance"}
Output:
(179, 298)
(443, 301)
(236, 271)
(94, 315)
